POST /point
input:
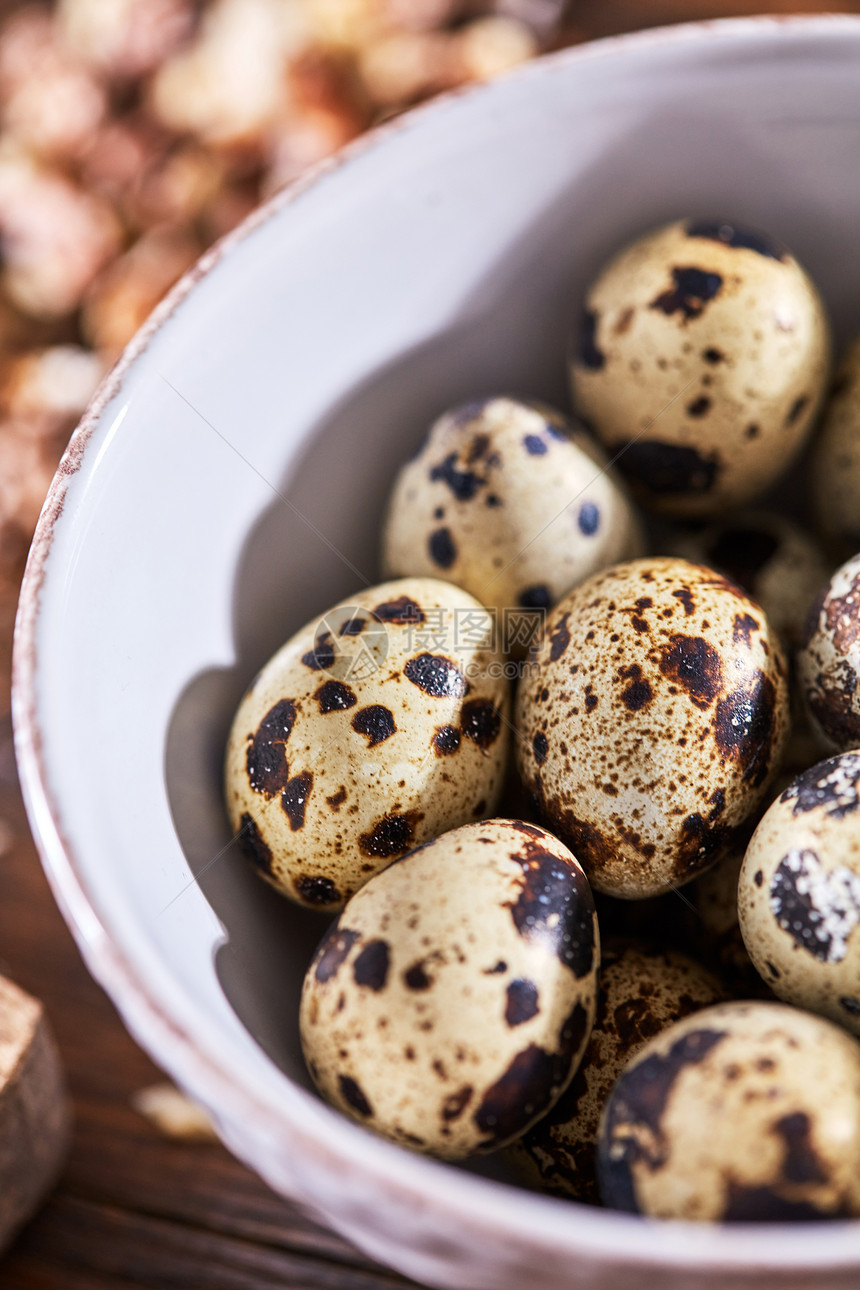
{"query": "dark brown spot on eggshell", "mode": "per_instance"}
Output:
(334, 696)
(694, 665)
(337, 799)
(375, 722)
(390, 836)
(266, 757)
(417, 978)
(481, 722)
(744, 727)
(402, 612)
(692, 289)
(353, 1095)
(521, 1002)
(527, 1082)
(294, 799)
(796, 409)
(555, 906)
(638, 693)
(464, 484)
(456, 1103)
(833, 784)
(815, 911)
(442, 548)
(559, 639)
(436, 676)
(625, 318)
(685, 595)
(322, 656)
(446, 741)
(530, 1082)
(743, 627)
(370, 967)
(316, 890)
(253, 845)
(801, 1164)
(700, 407)
(540, 746)
(333, 950)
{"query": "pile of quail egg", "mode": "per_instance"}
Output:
(677, 691)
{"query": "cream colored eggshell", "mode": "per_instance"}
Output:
(641, 991)
(715, 395)
(783, 580)
(650, 721)
(836, 456)
(743, 1111)
(828, 666)
(799, 892)
(338, 762)
(450, 1004)
(511, 502)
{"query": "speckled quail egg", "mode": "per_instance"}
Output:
(714, 927)
(376, 727)
(799, 892)
(451, 1002)
(836, 457)
(511, 502)
(828, 666)
(773, 559)
(742, 1112)
(641, 991)
(703, 355)
(650, 720)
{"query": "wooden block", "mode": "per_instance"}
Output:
(34, 1115)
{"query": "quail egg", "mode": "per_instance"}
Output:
(449, 1005)
(836, 457)
(828, 666)
(799, 892)
(742, 1112)
(511, 502)
(713, 923)
(650, 721)
(641, 991)
(702, 358)
(773, 559)
(377, 726)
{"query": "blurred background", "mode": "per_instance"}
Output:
(133, 133)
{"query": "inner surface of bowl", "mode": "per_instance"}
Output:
(229, 487)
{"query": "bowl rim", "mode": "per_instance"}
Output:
(566, 1227)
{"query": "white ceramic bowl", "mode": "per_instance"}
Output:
(226, 485)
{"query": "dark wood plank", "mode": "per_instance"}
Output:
(135, 1249)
